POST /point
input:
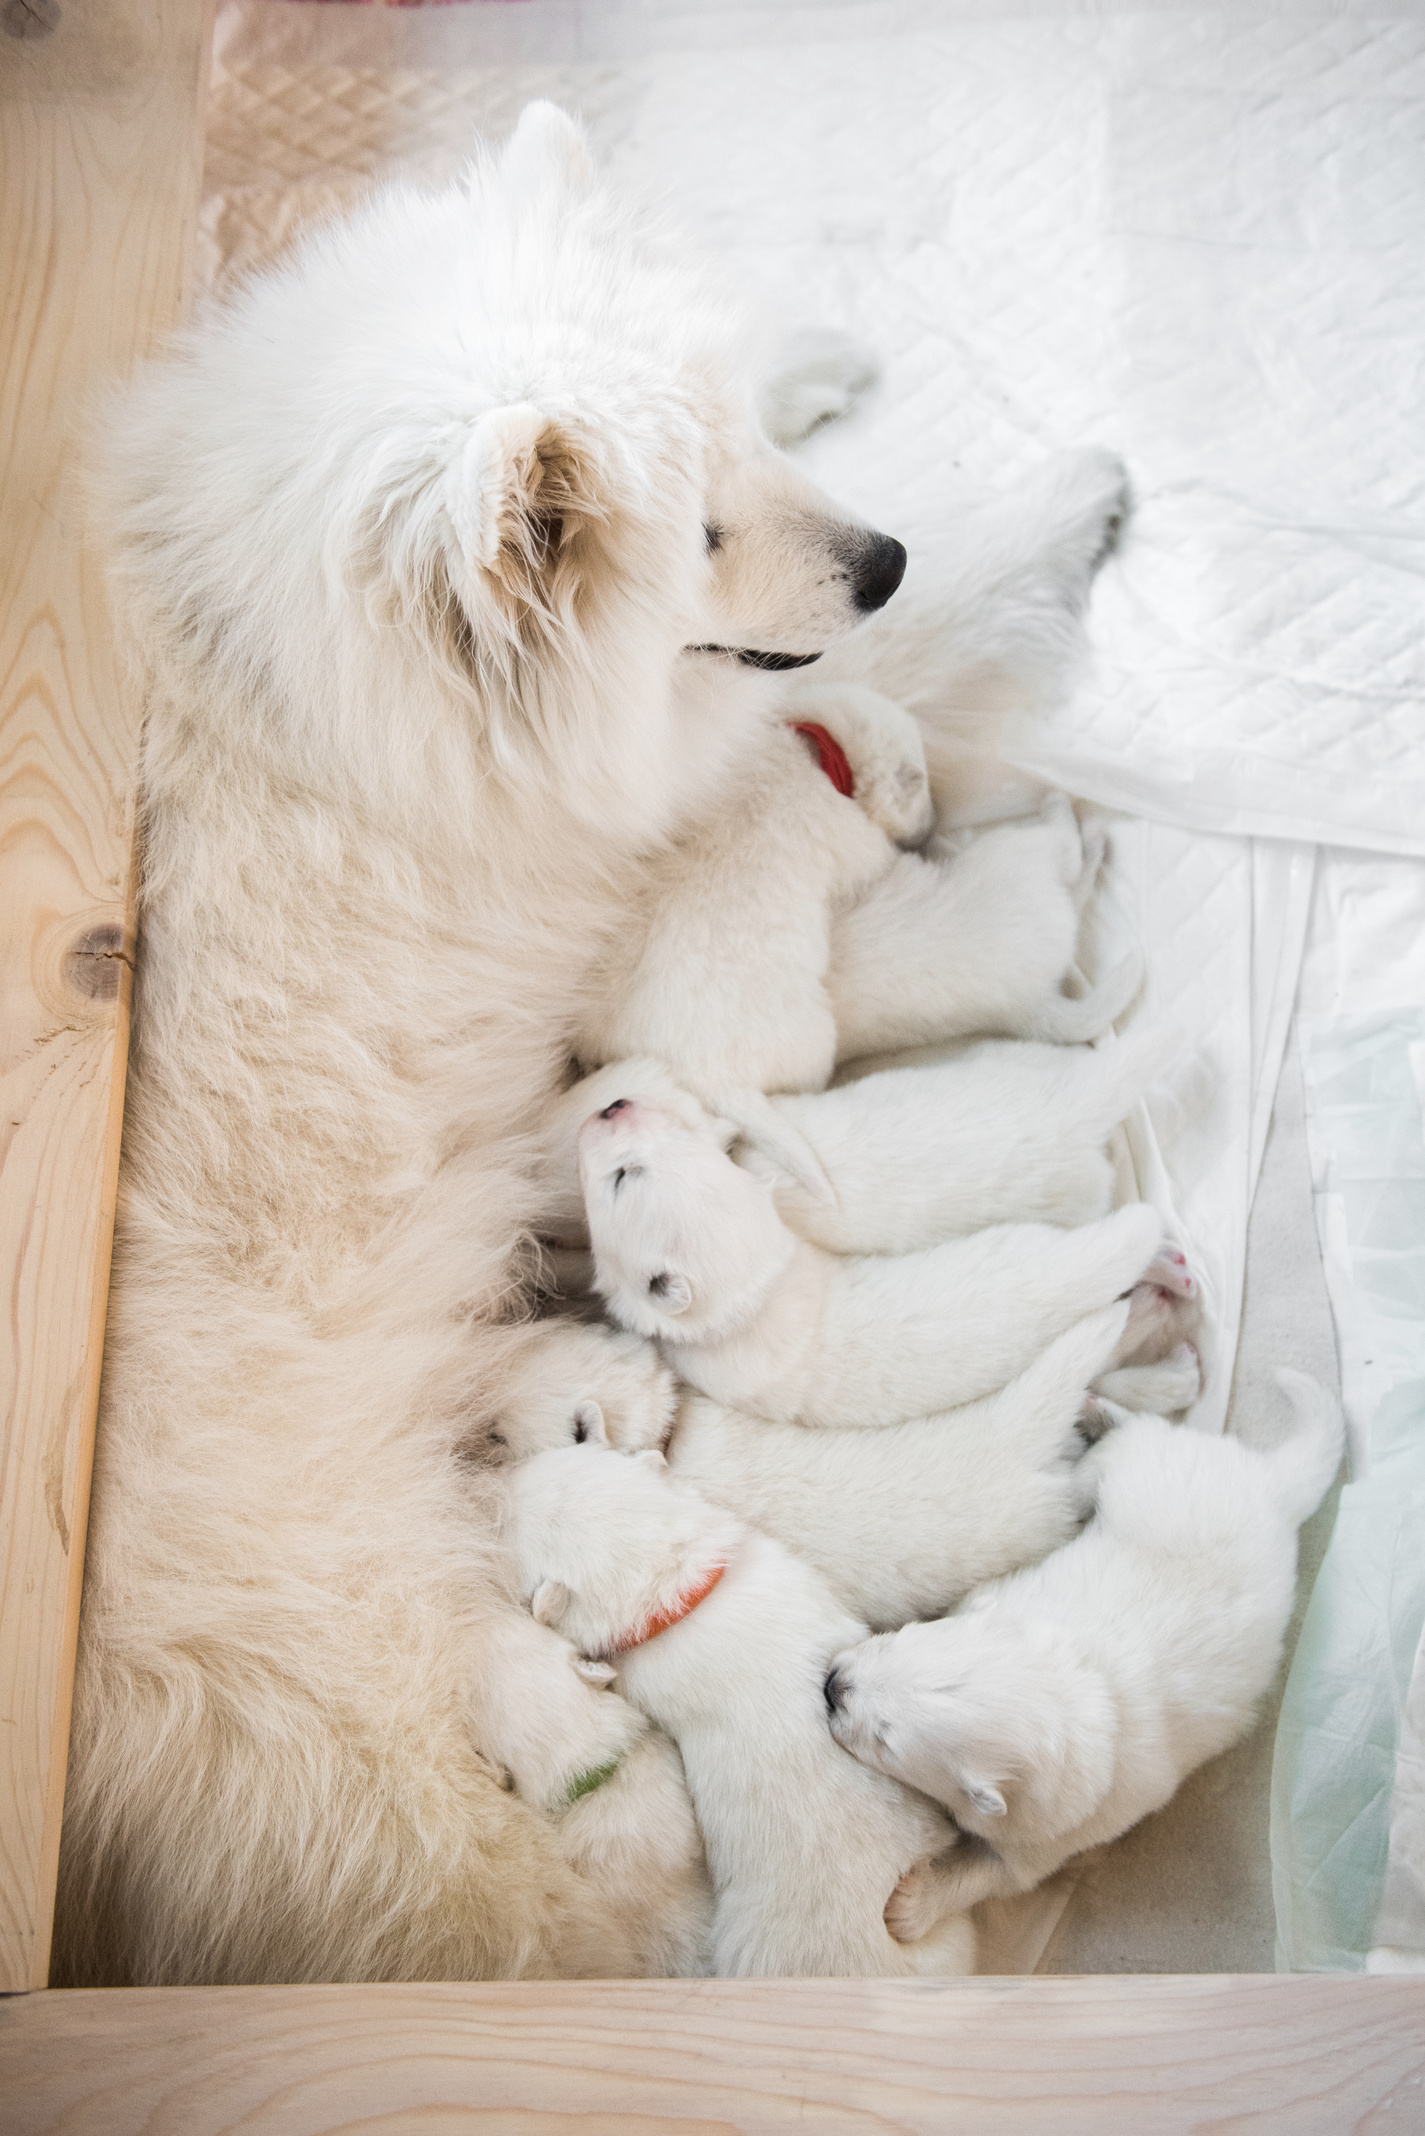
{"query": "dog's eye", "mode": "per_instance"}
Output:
(619, 1178)
(713, 537)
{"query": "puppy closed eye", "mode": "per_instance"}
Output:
(625, 1171)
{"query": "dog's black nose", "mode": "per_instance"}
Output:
(618, 1106)
(878, 570)
(831, 1691)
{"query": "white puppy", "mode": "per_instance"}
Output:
(544, 1718)
(689, 1248)
(724, 1639)
(1004, 1133)
(1066, 1702)
(903, 1522)
(724, 973)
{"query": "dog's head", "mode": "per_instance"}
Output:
(473, 487)
(608, 1544)
(991, 1721)
(686, 1243)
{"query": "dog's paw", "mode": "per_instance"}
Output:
(1161, 1390)
(918, 1903)
(817, 379)
(1164, 1314)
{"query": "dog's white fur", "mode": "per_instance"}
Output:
(805, 1845)
(903, 1522)
(410, 544)
(1065, 1702)
(1004, 1133)
(689, 1248)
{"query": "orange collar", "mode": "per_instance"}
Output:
(830, 755)
(661, 1619)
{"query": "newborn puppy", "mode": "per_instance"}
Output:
(903, 1522)
(689, 1248)
(545, 1719)
(1005, 1133)
(723, 973)
(1064, 1703)
(724, 1639)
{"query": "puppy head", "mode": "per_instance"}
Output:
(686, 1243)
(561, 1198)
(886, 753)
(606, 1542)
(994, 1722)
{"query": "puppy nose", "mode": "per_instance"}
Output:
(611, 1111)
(877, 572)
(833, 1690)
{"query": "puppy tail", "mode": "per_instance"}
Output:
(1305, 1465)
(758, 1121)
(1128, 1067)
(1062, 1022)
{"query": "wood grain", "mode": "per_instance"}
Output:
(100, 148)
(1007, 2057)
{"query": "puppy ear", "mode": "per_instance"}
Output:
(652, 1456)
(986, 1799)
(594, 1672)
(548, 1603)
(589, 1427)
(546, 149)
(673, 1292)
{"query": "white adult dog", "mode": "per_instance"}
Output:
(411, 544)
(1066, 1702)
(689, 1249)
(1005, 1133)
(724, 1639)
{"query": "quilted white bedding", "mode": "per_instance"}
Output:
(1191, 233)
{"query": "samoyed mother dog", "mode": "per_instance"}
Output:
(459, 571)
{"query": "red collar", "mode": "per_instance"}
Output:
(832, 757)
(661, 1619)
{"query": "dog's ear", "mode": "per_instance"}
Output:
(549, 1602)
(987, 1799)
(594, 1672)
(652, 1457)
(547, 149)
(589, 1426)
(516, 494)
(673, 1292)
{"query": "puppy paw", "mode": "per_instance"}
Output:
(819, 377)
(1164, 1313)
(918, 1903)
(1161, 1390)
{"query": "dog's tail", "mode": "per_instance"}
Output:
(1304, 1466)
(1062, 1022)
(756, 1118)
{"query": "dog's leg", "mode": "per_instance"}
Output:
(950, 1884)
(975, 944)
(818, 377)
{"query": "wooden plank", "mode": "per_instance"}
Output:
(1003, 2057)
(100, 156)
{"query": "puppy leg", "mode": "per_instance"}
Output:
(1159, 1390)
(951, 1883)
(978, 943)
